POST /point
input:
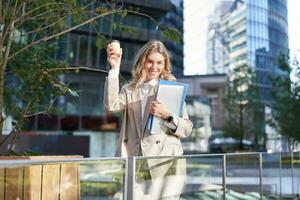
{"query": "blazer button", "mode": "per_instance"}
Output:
(125, 141)
(157, 142)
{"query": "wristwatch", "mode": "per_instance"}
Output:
(169, 119)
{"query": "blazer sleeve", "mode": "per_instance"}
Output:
(114, 99)
(184, 126)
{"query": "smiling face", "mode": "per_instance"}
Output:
(151, 62)
(154, 65)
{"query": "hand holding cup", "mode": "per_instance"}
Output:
(114, 54)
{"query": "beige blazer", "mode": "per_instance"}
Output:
(134, 139)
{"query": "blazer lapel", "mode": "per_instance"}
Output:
(137, 110)
(151, 97)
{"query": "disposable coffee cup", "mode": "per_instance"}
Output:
(115, 44)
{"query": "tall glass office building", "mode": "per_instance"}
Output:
(253, 32)
(86, 112)
(267, 38)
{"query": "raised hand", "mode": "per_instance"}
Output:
(114, 55)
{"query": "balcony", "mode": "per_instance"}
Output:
(211, 176)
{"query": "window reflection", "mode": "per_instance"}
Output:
(83, 50)
(73, 50)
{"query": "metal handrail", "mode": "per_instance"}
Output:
(25, 163)
(130, 164)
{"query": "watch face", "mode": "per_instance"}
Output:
(170, 118)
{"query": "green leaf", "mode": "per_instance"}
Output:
(122, 13)
(101, 42)
(114, 26)
(173, 35)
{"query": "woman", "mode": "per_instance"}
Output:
(137, 101)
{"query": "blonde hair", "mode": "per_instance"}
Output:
(139, 72)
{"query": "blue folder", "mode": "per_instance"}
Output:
(172, 95)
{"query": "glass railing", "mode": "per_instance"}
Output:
(186, 177)
(210, 176)
(287, 179)
(69, 179)
(243, 175)
(296, 173)
(271, 175)
(102, 179)
(204, 177)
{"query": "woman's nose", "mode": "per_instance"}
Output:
(154, 65)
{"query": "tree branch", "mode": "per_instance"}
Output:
(1, 16)
(6, 9)
(7, 48)
(54, 23)
(37, 113)
(76, 68)
(45, 15)
(12, 21)
(37, 8)
(44, 39)
(41, 28)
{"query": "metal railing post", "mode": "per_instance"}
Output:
(260, 176)
(280, 175)
(129, 178)
(292, 164)
(224, 177)
(297, 176)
